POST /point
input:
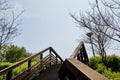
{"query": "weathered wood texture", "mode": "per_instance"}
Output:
(85, 70)
(75, 67)
(33, 70)
(80, 53)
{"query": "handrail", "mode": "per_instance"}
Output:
(8, 70)
(76, 51)
(80, 53)
(56, 54)
(74, 69)
(22, 61)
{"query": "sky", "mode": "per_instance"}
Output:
(48, 23)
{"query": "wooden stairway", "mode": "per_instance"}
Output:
(49, 74)
(73, 68)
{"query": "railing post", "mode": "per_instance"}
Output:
(78, 57)
(56, 60)
(85, 55)
(9, 75)
(41, 62)
(29, 63)
(82, 55)
(50, 56)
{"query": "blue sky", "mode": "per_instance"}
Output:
(48, 23)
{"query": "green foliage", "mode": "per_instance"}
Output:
(1, 56)
(4, 65)
(111, 70)
(15, 71)
(100, 68)
(94, 61)
(14, 53)
(113, 62)
(11, 55)
(19, 69)
(111, 75)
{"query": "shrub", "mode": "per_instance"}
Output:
(15, 71)
(111, 70)
(94, 61)
(113, 62)
(18, 53)
(100, 68)
(20, 69)
(4, 65)
(111, 75)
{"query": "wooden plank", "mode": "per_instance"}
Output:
(87, 71)
(21, 62)
(56, 54)
(76, 51)
(69, 71)
(43, 62)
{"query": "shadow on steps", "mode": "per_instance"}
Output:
(49, 74)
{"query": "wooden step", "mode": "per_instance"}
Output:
(50, 74)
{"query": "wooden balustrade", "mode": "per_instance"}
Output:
(75, 67)
(80, 53)
(32, 70)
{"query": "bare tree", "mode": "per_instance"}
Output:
(93, 22)
(8, 23)
(113, 9)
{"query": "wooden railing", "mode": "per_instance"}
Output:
(44, 58)
(75, 67)
(80, 53)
